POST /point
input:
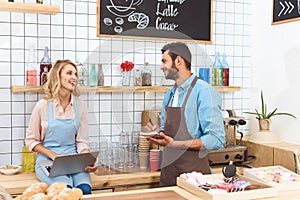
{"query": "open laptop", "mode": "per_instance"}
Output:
(69, 164)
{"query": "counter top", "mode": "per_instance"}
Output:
(101, 179)
(164, 193)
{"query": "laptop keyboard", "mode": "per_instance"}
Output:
(48, 168)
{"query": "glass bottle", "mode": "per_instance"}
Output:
(39, 1)
(45, 62)
(146, 75)
(82, 74)
(28, 160)
(225, 71)
(137, 77)
(217, 71)
(44, 76)
(100, 75)
(93, 76)
(31, 71)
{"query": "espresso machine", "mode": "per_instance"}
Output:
(232, 150)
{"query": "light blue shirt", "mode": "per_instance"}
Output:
(203, 113)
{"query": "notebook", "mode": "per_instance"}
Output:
(69, 164)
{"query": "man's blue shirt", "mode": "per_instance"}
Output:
(203, 113)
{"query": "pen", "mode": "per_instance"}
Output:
(150, 121)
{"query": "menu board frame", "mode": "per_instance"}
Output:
(167, 20)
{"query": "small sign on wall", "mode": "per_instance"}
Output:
(285, 11)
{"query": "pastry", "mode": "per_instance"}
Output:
(55, 189)
(34, 189)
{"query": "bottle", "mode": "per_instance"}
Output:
(93, 76)
(100, 75)
(44, 76)
(146, 75)
(31, 71)
(217, 71)
(45, 62)
(10, 0)
(28, 160)
(82, 74)
(39, 1)
(225, 71)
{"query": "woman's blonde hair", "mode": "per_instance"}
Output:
(52, 86)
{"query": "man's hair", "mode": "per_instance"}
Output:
(179, 49)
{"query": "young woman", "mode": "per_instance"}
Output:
(58, 125)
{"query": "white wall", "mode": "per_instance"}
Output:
(276, 70)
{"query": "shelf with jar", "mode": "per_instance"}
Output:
(29, 8)
(116, 89)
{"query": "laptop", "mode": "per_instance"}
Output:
(69, 164)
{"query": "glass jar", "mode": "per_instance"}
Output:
(137, 77)
(82, 74)
(146, 75)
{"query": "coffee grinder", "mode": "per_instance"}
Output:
(232, 150)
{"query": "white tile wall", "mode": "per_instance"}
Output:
(71, 34)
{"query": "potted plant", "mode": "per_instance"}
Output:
(264, 117)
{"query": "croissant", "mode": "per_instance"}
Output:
(39, 196)
(34, 188)
(69, 194)
(55, 188)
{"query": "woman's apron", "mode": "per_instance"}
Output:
(60, 137)
(176, 161)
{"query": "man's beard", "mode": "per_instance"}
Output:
(172, 73)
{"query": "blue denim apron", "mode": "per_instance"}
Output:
(60, 137)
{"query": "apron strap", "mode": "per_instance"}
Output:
(189, 92)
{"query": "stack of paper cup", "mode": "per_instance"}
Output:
(154, 159)
(143, 152)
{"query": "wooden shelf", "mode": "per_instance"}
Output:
(108, 89)
(29, 8)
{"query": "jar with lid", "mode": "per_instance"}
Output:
(146, 75)
(137, 77)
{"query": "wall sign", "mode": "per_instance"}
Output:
(155, 19)
(285, 11)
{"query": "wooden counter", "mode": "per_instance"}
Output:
(164, 193)
(102, 179)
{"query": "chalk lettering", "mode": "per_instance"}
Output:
(172, 1)
(164, 25)
(169, 11)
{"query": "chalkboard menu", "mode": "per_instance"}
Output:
(285, 11)
(155, 19)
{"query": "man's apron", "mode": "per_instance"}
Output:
(60, 137)
(176, 161)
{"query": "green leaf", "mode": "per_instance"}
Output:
(288, 114)
(262, 104)
(271, 113)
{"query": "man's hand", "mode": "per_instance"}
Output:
(163, 141)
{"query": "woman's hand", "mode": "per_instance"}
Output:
(91, 168)
(163, 141)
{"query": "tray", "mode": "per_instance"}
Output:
(283, 185)
(266, 191)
